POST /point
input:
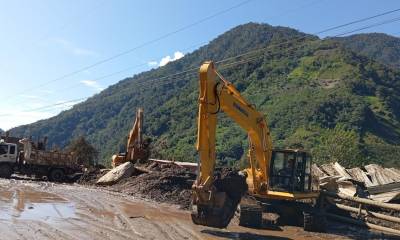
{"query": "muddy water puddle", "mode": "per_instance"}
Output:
(146, 211)
(27, 204)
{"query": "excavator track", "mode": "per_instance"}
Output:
(233, 186)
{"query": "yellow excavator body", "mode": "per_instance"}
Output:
(272, 175)
(136, 147)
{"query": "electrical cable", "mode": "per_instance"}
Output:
(242, 61)
(137, 47)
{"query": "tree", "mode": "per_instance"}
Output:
(338, 145)
(85, 152)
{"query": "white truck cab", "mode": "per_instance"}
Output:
(8, 152)
(8, 158)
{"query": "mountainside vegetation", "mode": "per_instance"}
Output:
(337, 98)
(379, 46)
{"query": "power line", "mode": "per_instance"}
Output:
(229, 65)
(316, 33)
(116, 72)
(49, 106)
(191, 70)
(285, 42)
(358, 21)
(198, 22)
(139, 46)
(370, 26)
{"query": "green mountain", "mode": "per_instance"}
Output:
(378, 46)
(316, 94)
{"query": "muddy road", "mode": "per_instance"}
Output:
(42, 210)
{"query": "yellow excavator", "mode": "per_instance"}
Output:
(137, 149)
(277, 180)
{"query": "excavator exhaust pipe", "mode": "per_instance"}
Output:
(216, 206)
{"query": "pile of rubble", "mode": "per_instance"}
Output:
(372, 181)
(161, 182)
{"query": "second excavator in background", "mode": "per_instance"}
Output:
(277, 180)
(137, 148)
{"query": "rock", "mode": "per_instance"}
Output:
(122, 171)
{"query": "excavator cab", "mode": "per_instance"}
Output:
(290, 171)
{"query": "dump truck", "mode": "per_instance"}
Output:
(32, 160)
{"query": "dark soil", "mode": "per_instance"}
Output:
(165, 183)
(90, 177)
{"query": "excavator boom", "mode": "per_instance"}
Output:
(215, 199)
(273, 176)
(135, 147)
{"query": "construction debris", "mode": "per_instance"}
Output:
(122, 171)
(188, 165)
(376, 182)
(162, 182)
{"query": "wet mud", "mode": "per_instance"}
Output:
(42, 210)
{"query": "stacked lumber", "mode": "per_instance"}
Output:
(372, 181)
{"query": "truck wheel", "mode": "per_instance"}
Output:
(56, 175)
(5, 171)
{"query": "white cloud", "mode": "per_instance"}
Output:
(167, 59)
(46, 91)
(178, 55)
(92, 84)
(152, 63)
(82, 52)
(15, 118)
(73, 49)
(12, 117)
(29, 96)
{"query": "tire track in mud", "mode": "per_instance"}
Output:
(49, 231)
(151, 228)
(105, 203)
(99, 213)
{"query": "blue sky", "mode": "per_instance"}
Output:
(44, 40)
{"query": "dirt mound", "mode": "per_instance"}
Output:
(163, 183)
(90, 177)
(167, 183)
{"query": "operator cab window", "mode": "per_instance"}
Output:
(283, 166)
(3, 149)
(12, 149)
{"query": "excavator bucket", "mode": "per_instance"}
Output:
(217, 206)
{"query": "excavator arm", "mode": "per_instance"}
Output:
(135, 137)
(215, 200)
(135, 148)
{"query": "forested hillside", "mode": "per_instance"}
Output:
(337, 103)
(379, 46)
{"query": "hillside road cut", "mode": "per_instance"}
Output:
(43, 210)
